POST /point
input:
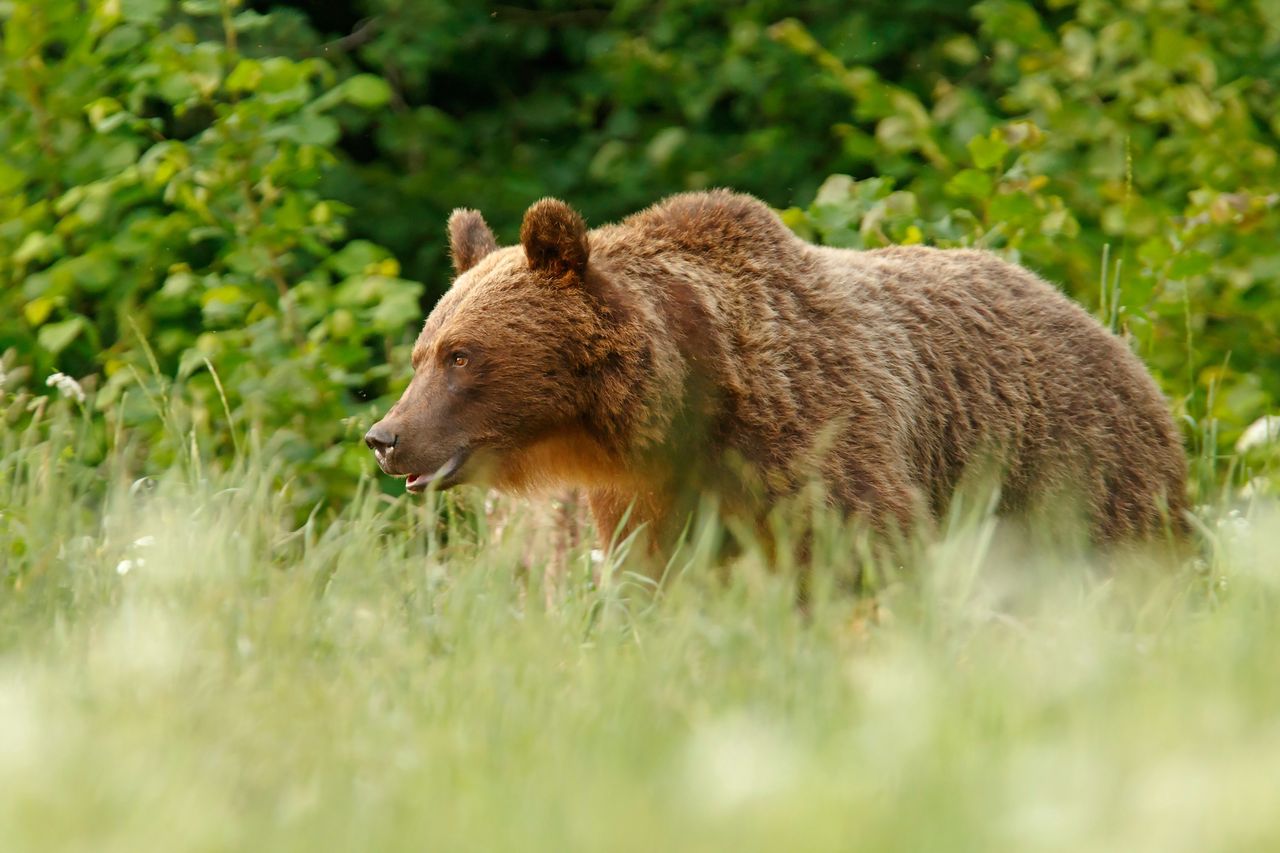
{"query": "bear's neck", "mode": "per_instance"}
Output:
(656, 388)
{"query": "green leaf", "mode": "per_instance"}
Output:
(1154, 252)
(202, 8)
(121, 40)
(96, 271)
(280, 74)
(10, 178)
(226, 294)
(988, 151)
(357, 256)
(56, 337)
(39, 247)
(37, 310)
(366, 90)
(665, 144)
(970, 183)
(250, 20)
(105, 114)
(834, 190)
(307, 129)
(224, 304)
(144, 11)
(1017, 210)
(246, 76)
(1190, 264)
(897, 133)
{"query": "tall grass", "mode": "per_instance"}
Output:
(186, 666)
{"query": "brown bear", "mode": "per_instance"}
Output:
(700, 346)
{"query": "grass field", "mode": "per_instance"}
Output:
(185, 668)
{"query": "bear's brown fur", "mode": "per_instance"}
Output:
(700, 346)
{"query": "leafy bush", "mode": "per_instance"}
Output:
(164, 187)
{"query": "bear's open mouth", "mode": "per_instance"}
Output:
(446, 476)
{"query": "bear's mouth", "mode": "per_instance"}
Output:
(446, 476)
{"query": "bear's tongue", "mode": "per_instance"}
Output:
(443, 477)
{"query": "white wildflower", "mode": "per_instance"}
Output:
(1265, 430)
(1234, 524)
(67, 386)
(125, 566)
(597, 556)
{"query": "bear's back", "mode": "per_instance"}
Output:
(996, 359)
(928, 360)
(720, 229)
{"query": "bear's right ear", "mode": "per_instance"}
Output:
(554, 238)
(469, 239)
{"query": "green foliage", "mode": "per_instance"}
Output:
(611, 105)
(164, 186)
(262, 198)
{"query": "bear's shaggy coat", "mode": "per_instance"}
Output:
(701, 346)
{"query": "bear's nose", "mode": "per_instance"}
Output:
(380, 439)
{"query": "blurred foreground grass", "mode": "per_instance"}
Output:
(181, 668)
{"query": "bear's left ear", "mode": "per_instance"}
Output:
(554, 238)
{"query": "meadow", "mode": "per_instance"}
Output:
(183, 666)
(221, 222)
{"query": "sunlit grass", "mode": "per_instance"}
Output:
(184, 665)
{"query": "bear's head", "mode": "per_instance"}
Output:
(502, 367)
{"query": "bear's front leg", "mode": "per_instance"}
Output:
(638, 518)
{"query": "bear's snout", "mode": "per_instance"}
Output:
(381, 439)
(403, 451)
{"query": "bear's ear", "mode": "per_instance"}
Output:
(469, 239)
(555, 240)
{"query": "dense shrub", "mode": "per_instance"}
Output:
(163, 187)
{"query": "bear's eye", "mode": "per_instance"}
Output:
(458, 358)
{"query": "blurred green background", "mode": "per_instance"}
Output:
(254, 193)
